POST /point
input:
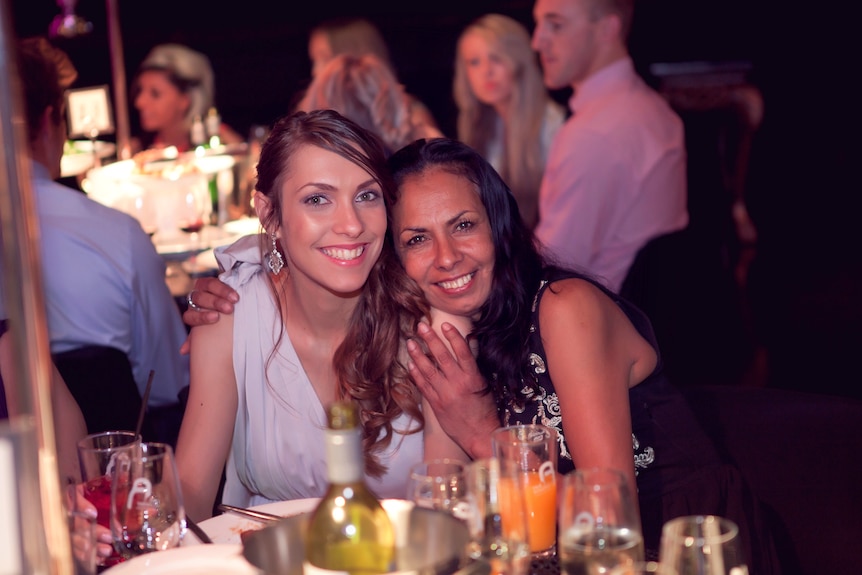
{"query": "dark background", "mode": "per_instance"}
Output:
(259, 55)
(803, 190)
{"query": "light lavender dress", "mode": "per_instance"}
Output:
(278, 450)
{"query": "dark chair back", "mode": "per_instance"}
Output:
(801, 454)
(101, 381)
(683, 284)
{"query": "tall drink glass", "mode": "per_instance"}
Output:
(599, 523)
(98, 455)
(533, 450)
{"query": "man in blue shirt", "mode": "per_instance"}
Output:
(104, 281)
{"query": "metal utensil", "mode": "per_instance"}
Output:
(250, 513)
(199, 533)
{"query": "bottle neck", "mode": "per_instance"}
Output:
(344, 458)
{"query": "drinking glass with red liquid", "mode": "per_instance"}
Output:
(99, 454)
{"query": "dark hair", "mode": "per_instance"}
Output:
(502, 329)
(366, 363)
(45, 72)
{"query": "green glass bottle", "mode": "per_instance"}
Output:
(349, 531)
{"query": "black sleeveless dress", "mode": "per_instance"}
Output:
(678, 470)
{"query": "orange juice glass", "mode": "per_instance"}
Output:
(533, 450)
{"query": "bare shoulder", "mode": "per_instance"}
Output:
(575, 314)
(574, 296)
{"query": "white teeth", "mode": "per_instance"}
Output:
(342, 254)
(460, 282)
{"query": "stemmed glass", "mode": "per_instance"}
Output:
(438, 484)
(702, 545)
(147, 512)
(599, 523)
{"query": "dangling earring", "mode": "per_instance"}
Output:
(274, 259)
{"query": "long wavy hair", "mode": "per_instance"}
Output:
(366, 363)
(503, 327)
(364, 89)
(479, 125)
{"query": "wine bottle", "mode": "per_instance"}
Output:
(349, 531)
(213, 128)
(198, 136)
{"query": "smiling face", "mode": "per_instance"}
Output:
(490, 72)
(160, 103)
(443, 237)
(333, 221)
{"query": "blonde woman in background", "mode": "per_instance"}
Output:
(364, 89)
(504, 110)
(358, 37)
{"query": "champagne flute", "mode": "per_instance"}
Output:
(438, 484)
(702, 545)
(147, 512)
(599, 523)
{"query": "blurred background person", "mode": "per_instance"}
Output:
(504, 110)
(364, 89)
(174, 85)
(357, 37)
(111, 318)
(616, 172)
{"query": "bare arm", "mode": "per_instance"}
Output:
(452, 388)
(594, 355)
(207, 428)
(69, 425)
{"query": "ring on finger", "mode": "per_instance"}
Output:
(190, 301)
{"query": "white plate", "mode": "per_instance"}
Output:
(195, 560)
(228, 527)
(242, 226)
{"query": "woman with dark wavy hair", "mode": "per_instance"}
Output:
(552, 346)
(314, 323)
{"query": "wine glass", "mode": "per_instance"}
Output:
(98, 454)
(599, 523)
(438, 484)
(147, 512)
(702, 545)
(496, 514)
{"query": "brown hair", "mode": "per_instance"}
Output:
(45, 72)
(366, 363)
(363, 89)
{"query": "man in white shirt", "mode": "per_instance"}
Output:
(616, 173)
(104, 281)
